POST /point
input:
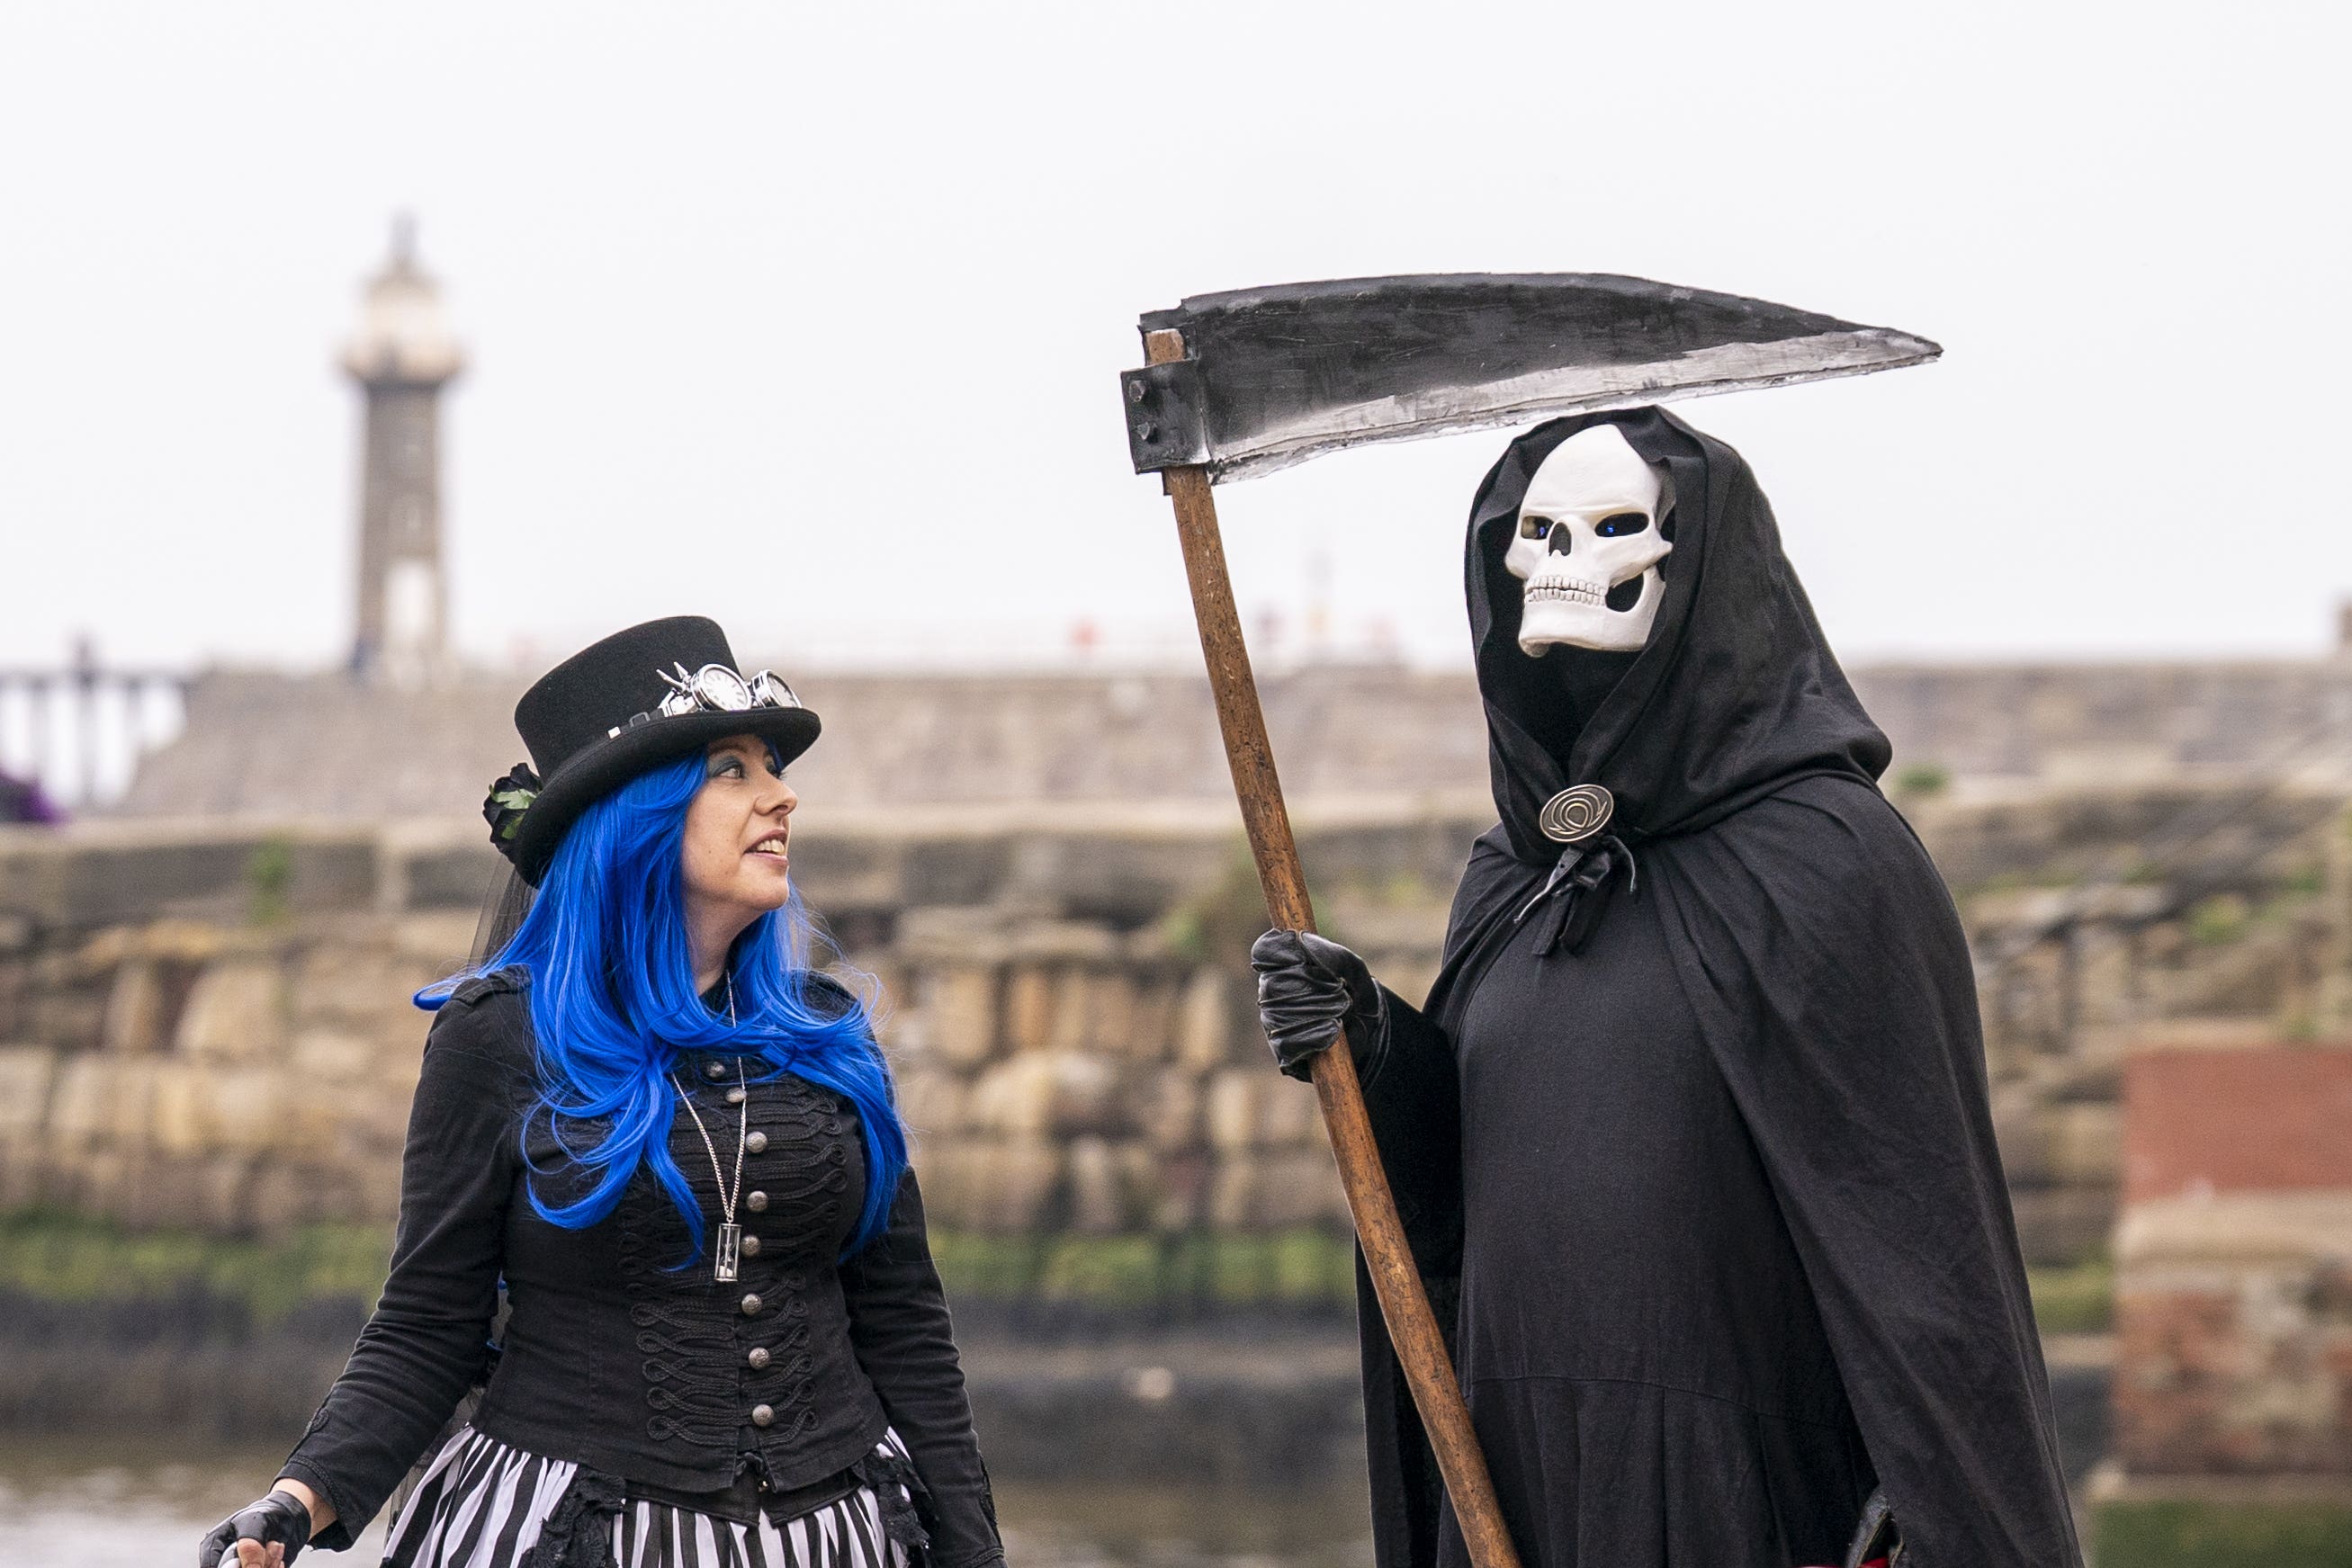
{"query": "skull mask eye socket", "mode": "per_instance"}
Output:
(1616, 526)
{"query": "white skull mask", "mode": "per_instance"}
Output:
(1589, 525)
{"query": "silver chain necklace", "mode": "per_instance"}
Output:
(729, 1253)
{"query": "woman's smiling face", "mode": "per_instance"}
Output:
(738, 827)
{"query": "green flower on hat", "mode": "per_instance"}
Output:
(504, 806)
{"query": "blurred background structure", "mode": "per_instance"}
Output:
(239, 847)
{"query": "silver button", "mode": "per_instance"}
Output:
(756, 1142)
(735, 1096)
(763, 1415)
(715, 1072)
(756, 1202)
(758, 1357)
(752, 1305)
(750, 1247)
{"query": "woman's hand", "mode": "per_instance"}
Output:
(270, 1534)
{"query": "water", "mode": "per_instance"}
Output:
(128, 1504)
(122, 1503)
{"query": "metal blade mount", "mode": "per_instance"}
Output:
(1276, 376)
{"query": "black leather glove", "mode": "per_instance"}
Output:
(279, 1518)
(1306, 989)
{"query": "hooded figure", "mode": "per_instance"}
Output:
(1691, 1137)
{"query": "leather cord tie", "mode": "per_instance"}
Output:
(1574, 896)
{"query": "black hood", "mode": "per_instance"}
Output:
(1735, 694)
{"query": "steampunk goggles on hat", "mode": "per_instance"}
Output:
(714, 688)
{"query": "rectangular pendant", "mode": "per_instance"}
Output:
(731, 1249)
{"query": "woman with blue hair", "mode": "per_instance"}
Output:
(672, 1142)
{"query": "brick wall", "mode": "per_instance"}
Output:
(2276, 1120)
(2234, 1252)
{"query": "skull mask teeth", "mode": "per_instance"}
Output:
(1590, 522)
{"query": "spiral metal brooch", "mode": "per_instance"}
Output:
(1576, 813)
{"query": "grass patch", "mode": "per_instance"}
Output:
(1218, 925)
(2044, 879)
(2219, 920)
(55, 1257)
(269, 882)
(1294, 1267)
(1288, 1267)
(1112, 1270)
(2077, 1299)
(1920, 779)
(1001, 1268)
(2178, 1534)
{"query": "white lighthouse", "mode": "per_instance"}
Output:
(402, 356)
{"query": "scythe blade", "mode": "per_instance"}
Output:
(1276, 376)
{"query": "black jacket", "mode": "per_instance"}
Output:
(614, 1358)
(1703, 1176)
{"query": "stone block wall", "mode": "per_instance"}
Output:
(224, 1077)
(1071, 1021)
(2104, 921)
(207, 1024)
(1066, 1077)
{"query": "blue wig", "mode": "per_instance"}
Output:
(614, 1004)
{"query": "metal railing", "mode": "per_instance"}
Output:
(77, 730)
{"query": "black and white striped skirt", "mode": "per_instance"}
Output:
(483, 1505)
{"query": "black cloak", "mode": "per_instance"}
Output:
(1709, 1202)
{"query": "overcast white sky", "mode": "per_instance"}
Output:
(810, 317)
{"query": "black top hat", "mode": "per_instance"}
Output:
(635, 700)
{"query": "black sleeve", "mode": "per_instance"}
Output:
(1413, 1097)
(1412, 1091)
(898, 1326)
(428, 1340)
(1413, 1101)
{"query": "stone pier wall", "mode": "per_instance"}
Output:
(212, 1028)
(207, 1026)
(218, 1078)
(1061, 1077)
(259, 745)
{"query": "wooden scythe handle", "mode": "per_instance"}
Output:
(1412, 1328)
